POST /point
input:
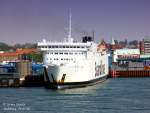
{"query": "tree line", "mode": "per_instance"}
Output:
(6, 47)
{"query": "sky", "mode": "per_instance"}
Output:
(30, 21)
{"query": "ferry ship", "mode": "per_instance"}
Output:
(70, 64)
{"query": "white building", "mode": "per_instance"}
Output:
(146, 45)
(125, 53)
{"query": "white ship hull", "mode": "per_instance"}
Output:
(79, 74)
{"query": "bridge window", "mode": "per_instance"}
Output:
(70, 53)
(60, 46)
(55, 46)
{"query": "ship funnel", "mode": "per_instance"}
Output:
(87, 39)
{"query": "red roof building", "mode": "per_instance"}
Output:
(17, 55)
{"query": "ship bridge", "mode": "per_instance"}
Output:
(63, 46)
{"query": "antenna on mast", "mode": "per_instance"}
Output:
(70, 39)
(69, 34)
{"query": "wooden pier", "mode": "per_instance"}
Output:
(34, 81)
(9, 80)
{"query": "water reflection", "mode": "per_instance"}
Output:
(84, 90)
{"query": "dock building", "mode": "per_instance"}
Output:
(146, 42)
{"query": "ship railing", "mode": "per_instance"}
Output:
(64, 49)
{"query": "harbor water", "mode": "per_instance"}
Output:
(119, 95)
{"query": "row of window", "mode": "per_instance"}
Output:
(70, 53)
(61, 59)
(61, 46)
